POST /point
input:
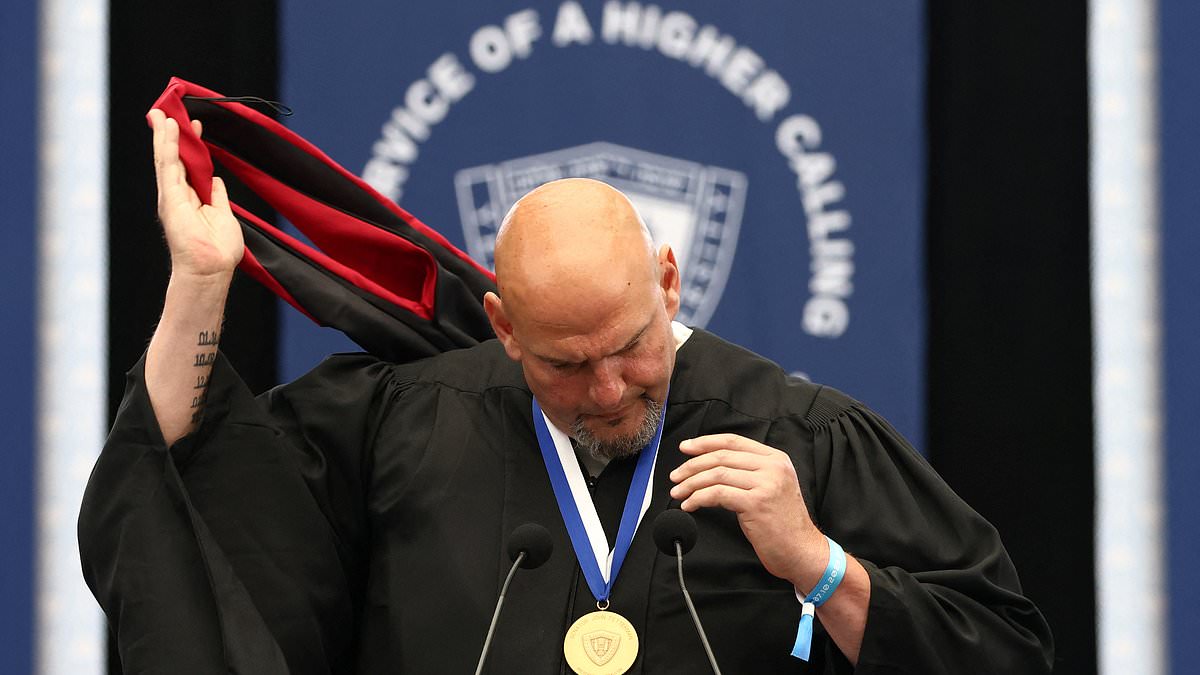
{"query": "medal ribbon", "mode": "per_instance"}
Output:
(578, 510)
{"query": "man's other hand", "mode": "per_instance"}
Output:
(759, 484)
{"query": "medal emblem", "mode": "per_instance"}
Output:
(600, 646)
(601, 643)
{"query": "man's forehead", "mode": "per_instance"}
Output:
(573, 347)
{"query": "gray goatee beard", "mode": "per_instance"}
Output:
(621, 446)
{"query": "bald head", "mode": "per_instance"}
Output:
(569, 242)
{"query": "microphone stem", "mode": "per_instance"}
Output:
(487, 642)
(712, 660)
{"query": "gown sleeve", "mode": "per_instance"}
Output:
(239, 548)
(945, 597)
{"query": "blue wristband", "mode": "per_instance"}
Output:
(829, 583)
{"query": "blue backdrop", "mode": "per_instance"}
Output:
(1179, 98)
(18, 253)
(777, 145)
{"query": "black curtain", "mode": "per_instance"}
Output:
(1009, 350)
(1009, 400)
(228, 46)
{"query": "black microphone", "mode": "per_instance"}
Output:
(529, 546)
(674, 525)
(675, 534)
(531, 541)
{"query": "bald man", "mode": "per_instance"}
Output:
(588, 316)
(355, 520)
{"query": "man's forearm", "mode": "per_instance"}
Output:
(181, 354)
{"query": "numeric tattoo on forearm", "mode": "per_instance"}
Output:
(205, 360)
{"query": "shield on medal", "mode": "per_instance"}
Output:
(600, 646)
(695, 208)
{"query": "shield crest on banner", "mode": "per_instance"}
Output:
(695, 208)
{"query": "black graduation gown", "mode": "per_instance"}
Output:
(355, 521)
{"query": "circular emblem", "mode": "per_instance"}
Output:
(601, 643)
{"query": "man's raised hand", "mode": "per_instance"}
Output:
(206, 245)
(205, 240)
(759, 484)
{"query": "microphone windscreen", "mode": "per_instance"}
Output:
(534, 540)
(674, 525)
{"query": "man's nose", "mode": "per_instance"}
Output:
(608, 384)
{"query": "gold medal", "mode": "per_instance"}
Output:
(601, 643)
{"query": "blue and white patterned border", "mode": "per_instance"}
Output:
(1131, 599)
(72, 323)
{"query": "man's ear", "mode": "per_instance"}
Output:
(501, 325)
(668, 279)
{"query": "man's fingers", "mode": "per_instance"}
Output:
(173, 188)
(158, 125)
(704, 444)
(723, 457)
(220, 197)
(727, 497)
(156, 118)
(720, 475)
(197, 128)
(167, 166)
